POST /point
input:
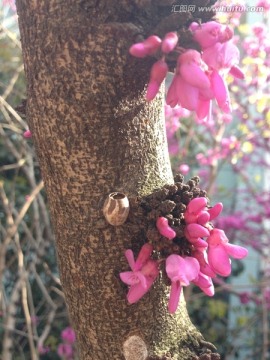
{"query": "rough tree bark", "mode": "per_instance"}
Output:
(94, 133)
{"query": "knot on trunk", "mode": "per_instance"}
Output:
(134, 348)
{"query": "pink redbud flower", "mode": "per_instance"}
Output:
(204, 266)
(236, 72)
(68, 335)
(169, 42)
(143, 274)
(205, 283)
(215, 211)
(180, 271)
(152, 44)
(221, 56)
(184, 168)
(158, 73)
(194, 232)
(221, 92)
(210, 33)
(244, 297)
(198, 212)
(189, 82)
(27, 134)
(65, 351)
(189, 67)
(147, 47)
(194, 209)
(164, 228)
(219, 251)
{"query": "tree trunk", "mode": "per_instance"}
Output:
(94, 133)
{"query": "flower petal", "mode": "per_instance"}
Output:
(173, 266)
(221, 92)
(205, 284)
(188, 95)
(217, 237)
(195, 231)
(172, 98)
(197, 204)
(236, 251)
(194, 76)
(143, 257)
(203, 218)
(215, 210)
(219, 260)
(130, 258)
(203, 108)
(169, 42)
(164, 228)
(192, 268)
(174, 296)
(237, 72)
(204, 266)
(137, 291)
(128, 277)
(152, 90)
(199, 244)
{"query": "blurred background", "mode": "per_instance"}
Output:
(230, 153)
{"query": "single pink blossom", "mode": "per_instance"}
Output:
(194, 208)
(184, 169)
(158, 73)
(169, 42)
(205, 283)
(189, 68)
(184, 93)
(197, 211)
(164, 228)
(215, 211)
(205, 268)
(27, 134)
(195, 230)
(244, 297)
(180, 271)
(221, 92)
(221, 56)
(194, 233)
(143, 274)
(203, 109)
(189, 83)
(147, 47)
(210, 33)
(219, 251)
(236, 72)
(65, 351)
(68, 335)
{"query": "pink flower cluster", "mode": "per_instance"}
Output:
(66, 349)
(160, 68)
(199, 77)
(211, 252)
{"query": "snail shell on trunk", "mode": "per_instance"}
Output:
(116, 208)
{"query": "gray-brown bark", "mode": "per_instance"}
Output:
(94, 133)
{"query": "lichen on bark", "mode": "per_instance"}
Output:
(94, 133)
